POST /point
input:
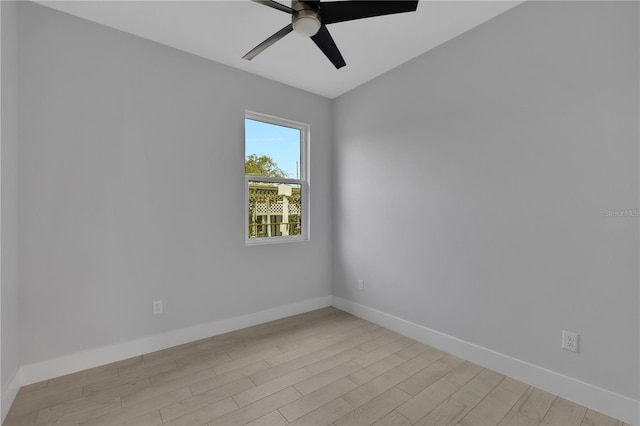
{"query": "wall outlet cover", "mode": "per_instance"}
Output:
(570, 341)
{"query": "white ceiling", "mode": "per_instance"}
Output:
(223, 31)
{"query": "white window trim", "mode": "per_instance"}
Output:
(303, 181)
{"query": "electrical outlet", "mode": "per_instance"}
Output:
(361, 285)
(157, 307)
(569, 341)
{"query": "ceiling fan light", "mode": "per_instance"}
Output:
(307, 25)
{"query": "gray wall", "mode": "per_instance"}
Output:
(131, 189)
(10, 343)
(472, 184)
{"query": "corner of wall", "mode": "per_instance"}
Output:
(9, 347)
(9, 394)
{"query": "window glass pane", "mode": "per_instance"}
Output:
(271, 150)
(274, 209)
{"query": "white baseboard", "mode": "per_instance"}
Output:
(9, 394)
(602, 400)
(45, 370)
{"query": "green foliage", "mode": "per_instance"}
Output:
(262, 165)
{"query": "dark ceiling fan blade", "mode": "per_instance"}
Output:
(268, 42)
(275, 5)
(325, 42)
(314, 4)
(340, 11)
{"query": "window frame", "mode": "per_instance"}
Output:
(303, 180)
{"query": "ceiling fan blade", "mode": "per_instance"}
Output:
(314, 4)
(340, 11)
(325, 42)
(275, 5)
(268, 42)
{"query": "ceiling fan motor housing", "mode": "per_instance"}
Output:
(305, 20)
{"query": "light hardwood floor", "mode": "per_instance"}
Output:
(318, 368)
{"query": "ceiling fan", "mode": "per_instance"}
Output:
(309, 18)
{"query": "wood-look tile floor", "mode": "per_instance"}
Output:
(324, 367)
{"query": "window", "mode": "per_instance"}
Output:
(276, 179)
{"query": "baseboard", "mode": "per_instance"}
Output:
(45, 370)
(602, 400)
(9, 394)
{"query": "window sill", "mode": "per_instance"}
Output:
(274, 240)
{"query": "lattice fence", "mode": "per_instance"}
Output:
(266, 211)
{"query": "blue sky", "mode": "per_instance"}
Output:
(278, 142)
